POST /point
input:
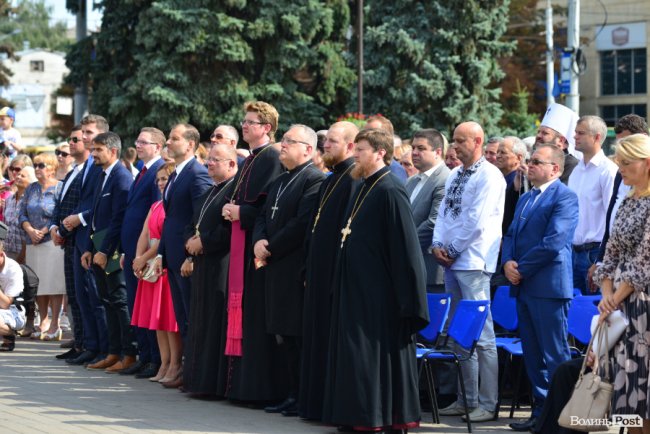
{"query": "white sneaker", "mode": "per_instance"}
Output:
(480, 415)
(455, 409)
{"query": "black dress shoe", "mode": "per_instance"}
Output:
(149, 370)
(291, 411)
(70, 354)
(70, 343)
(524, 426)
(282, 406)
(133, 369)
(82, 358)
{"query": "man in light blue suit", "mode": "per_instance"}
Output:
(537, 262)
(143, 193)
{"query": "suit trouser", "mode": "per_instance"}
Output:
(73, 306)
(147, 342)
(180, 288)
(113, 295)
(543, 331)
(484, 363)
(93, 314)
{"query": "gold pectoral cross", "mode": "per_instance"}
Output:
(346, 231)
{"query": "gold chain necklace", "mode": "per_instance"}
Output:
(327, 195)
(355, 209)
(244, 173)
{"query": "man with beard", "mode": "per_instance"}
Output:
(208, 244)
(379, 301)
(322, 250)
(255, 363)
(279, 238)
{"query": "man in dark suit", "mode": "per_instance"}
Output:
(186, 185)
(100, 250)
(536, 260)
(66, 203)
(142, 194)
(95, 340)
(425, 191)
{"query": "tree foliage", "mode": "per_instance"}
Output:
(434, 63)
(32, 18)
(159, 63)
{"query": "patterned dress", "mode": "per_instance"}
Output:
(627, 259)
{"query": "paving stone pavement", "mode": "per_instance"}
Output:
(39, 394)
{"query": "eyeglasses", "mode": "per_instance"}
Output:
(40, 165)
(292, 142)
(74, 139)
(536, 162)
(220, 136)
(250, 122)
(15, 169)
(217, 160)
(143, 142)
(61, 153)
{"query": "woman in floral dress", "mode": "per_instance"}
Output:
(624, 278)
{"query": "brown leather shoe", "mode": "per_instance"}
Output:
(126, 362)
(109, 361)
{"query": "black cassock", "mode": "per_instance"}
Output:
(206, 366)
(294, 193)
(322, 250)
(258, 374)
(379, 304)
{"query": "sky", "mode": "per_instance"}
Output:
(60, 13)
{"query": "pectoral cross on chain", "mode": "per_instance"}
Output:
(274, 208)
(346, 231)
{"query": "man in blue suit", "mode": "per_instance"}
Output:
(185, 186)
(143, 193)
(95, 340)
(101, 247)
(537, 261)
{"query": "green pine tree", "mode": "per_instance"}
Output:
(434, 63)
(158, 63)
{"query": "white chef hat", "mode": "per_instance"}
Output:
(563, 120)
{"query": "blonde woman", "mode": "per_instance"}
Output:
(65, 160)
(41, 254)
(624, 279)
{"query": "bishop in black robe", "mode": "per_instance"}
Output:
(206, 365)
(257, 374)
(379, 304)
(324, 234)
(283, 223)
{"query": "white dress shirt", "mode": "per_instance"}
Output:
(593, 183)
(423, 177)
(470, 217)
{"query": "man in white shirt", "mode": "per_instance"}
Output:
(592, 180)
(466, 242)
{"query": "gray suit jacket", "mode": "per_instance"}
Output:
(425, 211)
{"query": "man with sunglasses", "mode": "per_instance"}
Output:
(227, 135)
(536, 260)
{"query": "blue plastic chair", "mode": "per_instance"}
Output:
(438, 305)
(465, 328)
(504, 313)
(582, 310)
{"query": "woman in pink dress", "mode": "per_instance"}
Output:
(153, 307)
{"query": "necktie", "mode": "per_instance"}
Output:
(141, 175)
(529, 203)
(172, 177)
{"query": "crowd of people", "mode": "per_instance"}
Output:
(293, 275)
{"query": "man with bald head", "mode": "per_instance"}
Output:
(227, 135)
(466, 242)
(324, 231)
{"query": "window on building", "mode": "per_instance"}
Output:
(36, 66)
(611, 113)
(623, 72)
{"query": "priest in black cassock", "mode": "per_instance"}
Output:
(279, 240)
(208, 246)
(379, 301)
(324, 237)
(256, 370)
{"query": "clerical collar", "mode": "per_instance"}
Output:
(259, 149)
(298, 168)
(343, 165)
(372, 178)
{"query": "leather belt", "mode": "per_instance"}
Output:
(585, 247)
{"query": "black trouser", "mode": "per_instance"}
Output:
(560, 390)
(112, 292)
(290, 346)
(73, 306)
